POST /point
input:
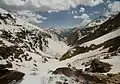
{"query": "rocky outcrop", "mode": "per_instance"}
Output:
(64, 70)
(108, 26)
(112, 44)
(113, 79)
(84, 77)
(7, 76)
(98, 66)
(2, 66)
(75, 51)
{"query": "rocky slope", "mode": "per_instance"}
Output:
(26, 46)
(91, 38)
(93, 59)
(95, 29)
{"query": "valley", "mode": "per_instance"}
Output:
(45, 56)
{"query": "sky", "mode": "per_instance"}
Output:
(61, 13)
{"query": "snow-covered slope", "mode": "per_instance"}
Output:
(25, 45)
(103, 38)
(95, 29)
(106, 33)
(98, 21)
(104, 47)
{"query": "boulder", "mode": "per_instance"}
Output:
(98, 66)
(64, 70)
(7, 76)
(3, 66)
(83, 77)
(68, 71)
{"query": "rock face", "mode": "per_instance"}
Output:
(108, 26)
(113, 79)
(73, 52)
(64, 70)
(112, 44)
(67, 71)
(2, 66)
(98, 66)
(7, 76)
(83, 77)
(90, 33)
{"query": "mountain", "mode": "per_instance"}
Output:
(56, 34)
(94, 37)
(91, 30)
(30, 54)
(23, 44)
(95, 50)
(64, 33)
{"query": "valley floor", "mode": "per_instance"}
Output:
(43, 75)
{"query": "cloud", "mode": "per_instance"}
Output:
(76, 16)
(50, 11)
(46, 5)
(32, 17)
(72, 12)
(28, 8)
(3, 11)
(85, 19)
(83, 16)
(115, 6)
(82, 9)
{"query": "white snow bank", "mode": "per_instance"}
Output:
(3, 11)
(56, 48)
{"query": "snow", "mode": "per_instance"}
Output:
(115, 61)
(3, 11)
(6, 42)
(30, 26)
(42, 76)
(56, 48)
(2, 61)
(44, 54)
(98, 21)
(31, 80)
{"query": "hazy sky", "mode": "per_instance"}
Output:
(61, 13)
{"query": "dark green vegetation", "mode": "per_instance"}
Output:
(75, 51)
